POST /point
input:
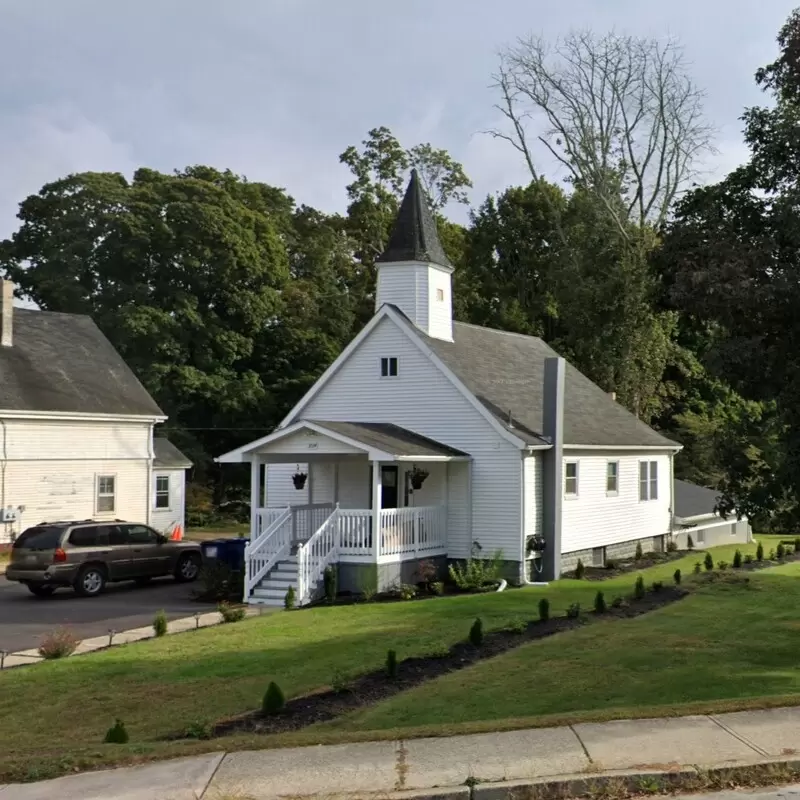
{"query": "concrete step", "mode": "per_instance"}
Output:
(270, 593)
(283, 586)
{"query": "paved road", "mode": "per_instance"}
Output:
(25, 618)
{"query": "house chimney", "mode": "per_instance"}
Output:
(553, 464)
(6, 312)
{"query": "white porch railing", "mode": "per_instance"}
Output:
(314, 556)
(413, 531)
(264, 518)
(355, 532)
(262, 553)
(308, 519)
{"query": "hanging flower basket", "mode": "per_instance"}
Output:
(299, 479)
(417, 477)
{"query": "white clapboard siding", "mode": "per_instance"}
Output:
(44, 440)
(595, 518)
(280, 488)
(163, 518)
(532, 481)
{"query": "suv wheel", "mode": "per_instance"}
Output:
(188, 568)
(41, 590)
(91, 581)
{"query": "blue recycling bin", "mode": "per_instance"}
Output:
(233, 552)
(212, 549)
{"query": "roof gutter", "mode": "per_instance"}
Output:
(667, 448)
(73, 416)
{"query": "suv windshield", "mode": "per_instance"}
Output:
(41, 538)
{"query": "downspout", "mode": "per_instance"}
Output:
(671, 495)
(151, 454)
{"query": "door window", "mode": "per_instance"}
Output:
(140, 534)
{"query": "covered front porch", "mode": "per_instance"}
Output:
(347, 493)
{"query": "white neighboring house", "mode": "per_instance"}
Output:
(76, 428)
(695, 517)
(427, 435)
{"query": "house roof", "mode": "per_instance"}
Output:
(692, 500)
(505, 372)
(390, 438)
(62, 362)
(415, 236)
(167, 456)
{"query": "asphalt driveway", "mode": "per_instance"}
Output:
(24, 619)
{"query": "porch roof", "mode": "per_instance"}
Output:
(379, 441)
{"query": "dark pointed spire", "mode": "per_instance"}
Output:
(414, 237)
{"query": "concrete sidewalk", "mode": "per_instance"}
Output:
(458, 767)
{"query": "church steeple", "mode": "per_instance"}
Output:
(414, 272)
(414, 236)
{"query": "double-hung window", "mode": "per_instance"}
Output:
(389, 367)
(648, 480)
(106, 494)
(612, 477)
(571, 478)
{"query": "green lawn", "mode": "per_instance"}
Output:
(53, 716)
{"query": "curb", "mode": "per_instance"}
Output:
(202, 619)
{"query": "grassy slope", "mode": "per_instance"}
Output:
(54, 715)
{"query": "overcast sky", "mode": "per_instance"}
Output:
(276, 89)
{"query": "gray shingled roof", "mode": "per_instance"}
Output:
(505, 371)
(390, 438)
(62, 362)
(692, 500)
(167, 456)
(415, 236)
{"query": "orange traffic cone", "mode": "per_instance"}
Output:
(177, 533)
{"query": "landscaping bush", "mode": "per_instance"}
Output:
(426, 572)
(220, 582)
(689, 542)
(574, 611)
(760, 552)
(672, 546)
(737, 559)
(657, 586)
(600, 603)
(518, 626)
(290, 599)
(771, 555)
(117, 734)
(476, 632)
(698, 568)
(476, 572)
(748, 559)
(273, 701)
(339, 681)
(405, 591)
(708, 562)
(579, 570)
(780, 551)
(230, 613)
(722, 566)
(199, 730)
(437, 588)
(676, 576)
(58, 644)
(329, 578)
(544, 609)
(391, 664)
(637, 556)
(618, 602)
(796, 543)
(160, 624)
(638, 588)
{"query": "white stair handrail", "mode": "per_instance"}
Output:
(316, 555)
(269, 548)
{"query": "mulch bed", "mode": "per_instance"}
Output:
(621, 566)
(373, 687)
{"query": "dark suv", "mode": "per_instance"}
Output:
(88, 554)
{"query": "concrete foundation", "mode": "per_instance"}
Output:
(381, 577)
(731, 532)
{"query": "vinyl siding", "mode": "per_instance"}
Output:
(305, 441)
(440, 316)
(163, 518)
(423, 400)
(55, 490)
(280, 489)
(400, 285)
(595, 519)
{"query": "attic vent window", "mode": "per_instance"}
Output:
(440, 295)
(388, 367)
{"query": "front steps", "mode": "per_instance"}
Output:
(271, 591)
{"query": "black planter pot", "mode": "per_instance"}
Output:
(299, 480)
(417, 478)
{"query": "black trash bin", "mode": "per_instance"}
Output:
(234, 553)
(213, 550)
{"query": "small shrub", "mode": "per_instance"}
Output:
(698, 568)
(780, 552)
(638, 588)
(199, 730)
(796, 543)
(339, 681)
(600, 603)
(329, 578)
(579, 570)
(476, 572)
(748, 559)
(117, 734)
(689, 542)
(708, 562)
(405, 591)
(722, 566)
(391, 664)
(788, 549)
(672, 546)
(544, 609)
(437, 588)
(637, 556)
(368, 594)
(771, 556)
(574, 611)
(760, 552)
(273, 701)
(220, 582)
(290, 599)
(676, 576)
(737, 560)
(518, 626)
(58, 644)
(160, 624)
(657, 586)
(426, 571)
(476, 633)
(231, 613)
(619, 602)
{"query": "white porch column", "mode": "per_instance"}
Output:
(255, 494)
(376, 508)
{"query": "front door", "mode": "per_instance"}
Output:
(389, 487)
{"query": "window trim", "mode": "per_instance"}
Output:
(168, 507)
(648, 481)
(439, 294)
(387, 362)
(97, 478)
(700, 535)
(615, 491)
(568, 494)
